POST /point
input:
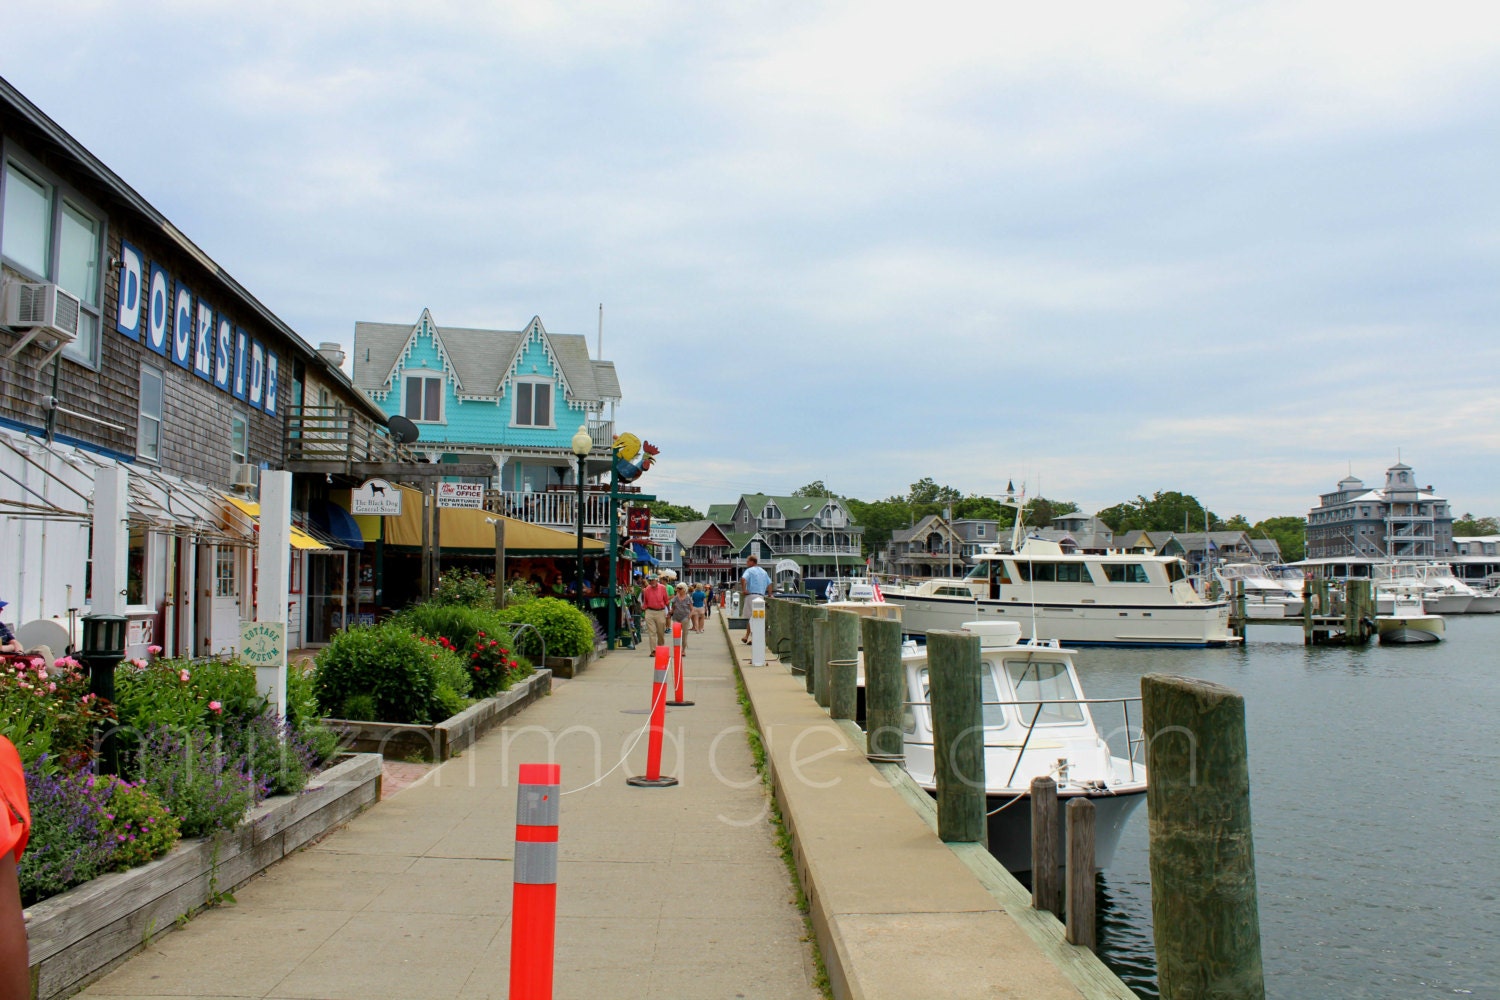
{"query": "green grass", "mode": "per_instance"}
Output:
(783, 837)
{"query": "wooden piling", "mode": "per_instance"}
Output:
(800, 631)
(885, 688)
(953, 667)
(810, 648)
(1046, 893)
(1203, 898)
(822, 647)
(1081, 886)
(843, 658)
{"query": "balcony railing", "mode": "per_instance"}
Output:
(339, 434)
(553, 509)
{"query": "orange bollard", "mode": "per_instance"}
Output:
(533, 908)
(678, 699)
(653, 777)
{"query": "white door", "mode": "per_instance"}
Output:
(227, 584)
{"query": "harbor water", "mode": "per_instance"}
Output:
(1375, 792)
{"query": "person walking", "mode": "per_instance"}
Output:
(755, 582)
(698, 599)
(682, 611)
(654, 601)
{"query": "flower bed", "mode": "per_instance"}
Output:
(77, 935)
(446, 739)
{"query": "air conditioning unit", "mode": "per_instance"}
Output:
(41, 309)
(245, 477)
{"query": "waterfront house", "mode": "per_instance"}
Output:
(705, 553)
(1399, 520)
(930, 547)
(816, 533)
(126, 346)
(508, 399)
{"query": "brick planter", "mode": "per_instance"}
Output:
(408, 741)
(78, 935)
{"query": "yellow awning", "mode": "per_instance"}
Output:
(474, 529)
(300, 538)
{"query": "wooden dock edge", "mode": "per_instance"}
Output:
(892, 917)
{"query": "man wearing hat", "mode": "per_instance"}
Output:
(8, 643)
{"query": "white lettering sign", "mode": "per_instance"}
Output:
(469, 495)
(377, 497)
(664, 535)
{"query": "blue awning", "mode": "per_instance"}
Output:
(339, 523)
(641, 555)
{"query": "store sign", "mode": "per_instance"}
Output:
(163, 312)
(638, 523)
(470, 495)
(376, 497)
(663, 535)
(263, 644)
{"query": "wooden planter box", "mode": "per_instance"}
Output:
(408, 741)
(78, 935)
(567, 666)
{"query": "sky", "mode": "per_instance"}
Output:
(1237, 250)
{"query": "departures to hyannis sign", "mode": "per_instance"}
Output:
(469, 495)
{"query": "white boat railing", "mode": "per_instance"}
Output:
(1135, 738)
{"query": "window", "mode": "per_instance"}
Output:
(424, 398)
(1125, 573)
(979, 531)
(148, 430)
(135, 566)
(1041, 684)
(226, 573)
(52, 235)
(239, 438)
(533, 404)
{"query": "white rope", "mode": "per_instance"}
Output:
(628, 750)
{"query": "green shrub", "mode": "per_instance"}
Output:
(136, 823)
(50, 715)
(478, 635)
(565, 629)
(464, 587)
(303, 715)
(183, 693)
(193, 776)
(357, 706)
(399, 671)
(66, 847)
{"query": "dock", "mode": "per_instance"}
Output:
(662, 892)
(1349, 620)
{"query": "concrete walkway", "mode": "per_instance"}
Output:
(676, 892)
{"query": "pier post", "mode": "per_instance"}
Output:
(800, 631)
(885, 689)
(1308, 594)
(953, 667)
(822, 630)
(1081, 886)
(843, 660)
(810, 647)
(1203, 898)
(1046, 893)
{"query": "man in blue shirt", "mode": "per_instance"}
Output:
(756, 582)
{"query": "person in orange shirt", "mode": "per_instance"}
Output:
(15, 828)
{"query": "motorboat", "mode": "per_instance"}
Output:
(1036, 722)
(1445, 594)
(1485, 602)
(1407, 622)
(1266, 596)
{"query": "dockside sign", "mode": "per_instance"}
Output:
(172, 321)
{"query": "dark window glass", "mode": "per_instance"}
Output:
(434, 399)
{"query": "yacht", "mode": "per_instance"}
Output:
(1036, 722)
(1083, 599)
(1266, 596)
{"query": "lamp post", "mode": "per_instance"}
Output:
(582, 445)
(611, 606)
(103, 648)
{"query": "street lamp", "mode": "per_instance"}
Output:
(582, 445)
(103, 647)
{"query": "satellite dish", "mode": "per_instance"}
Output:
(402, 429)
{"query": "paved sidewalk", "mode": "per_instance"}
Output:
(671, 893)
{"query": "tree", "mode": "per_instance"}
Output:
(812, 489)
(670, 512)
(1289, 533)
(1040, 511)
(1469, 526)
(925, 490)
(978, 508)
(1164, 511)
(879, 519)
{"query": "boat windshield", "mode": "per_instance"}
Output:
(1046, 682)
(989, 695)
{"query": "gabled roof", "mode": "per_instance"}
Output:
(690, 533)
(482, 359)
(722, 513)
(929, 523)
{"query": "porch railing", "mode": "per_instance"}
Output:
(553, 509)
(339, 434)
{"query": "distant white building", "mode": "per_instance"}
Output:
(1400, 520)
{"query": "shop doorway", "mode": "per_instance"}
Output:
(327, 595)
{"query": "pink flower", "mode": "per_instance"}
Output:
(184, 675)
(51, 685)
(139, 663)
(214, 706)
(153, 650)
(37, 661)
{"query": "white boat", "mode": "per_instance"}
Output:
(1485, 602)
(1407, 622)
(1082, 599)
(1265, 596)
(1445, 594)
(1036, 722)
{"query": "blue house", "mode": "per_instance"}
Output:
(516, 397)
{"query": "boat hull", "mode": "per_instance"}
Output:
(1187, 625)
(1010, 829)
(1409, 631)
